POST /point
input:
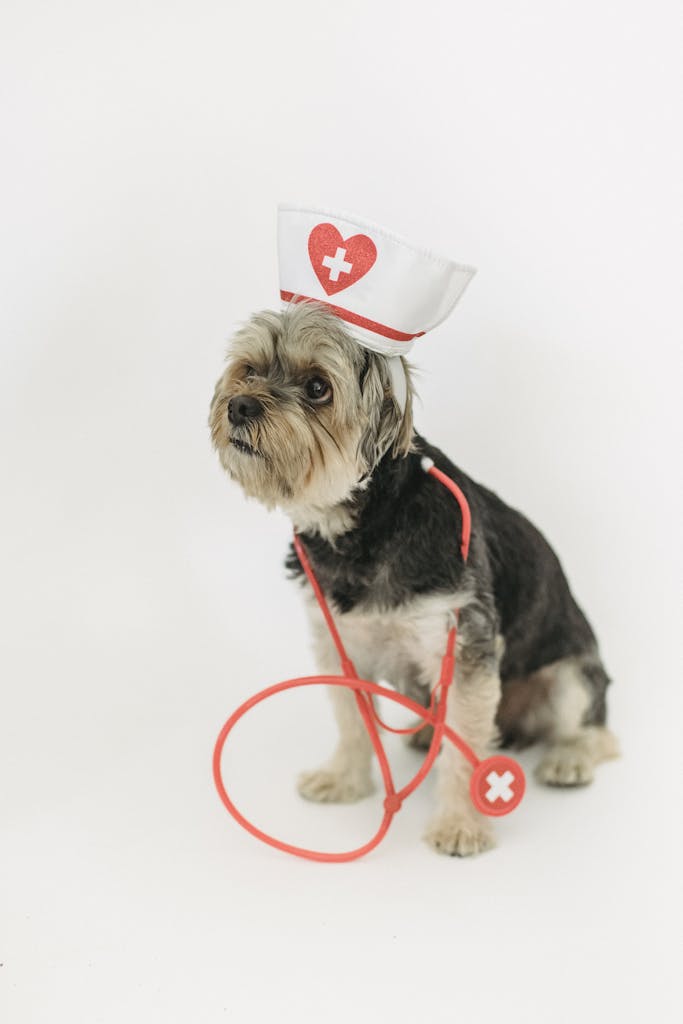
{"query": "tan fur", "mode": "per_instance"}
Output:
(346, 777)
(457, 828)
(571, 761)
(551, 705)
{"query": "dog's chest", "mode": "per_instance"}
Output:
(402, 646)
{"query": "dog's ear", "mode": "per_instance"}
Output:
(387, 427)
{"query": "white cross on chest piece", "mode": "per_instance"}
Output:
(499, 786)
(337, 264)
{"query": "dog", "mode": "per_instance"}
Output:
(305, 419)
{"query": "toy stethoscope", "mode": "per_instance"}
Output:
(496, 784)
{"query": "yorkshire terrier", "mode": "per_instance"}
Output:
(304, 418)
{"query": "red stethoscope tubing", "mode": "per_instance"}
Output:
(364, 691)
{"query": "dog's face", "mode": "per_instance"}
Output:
(302, 413)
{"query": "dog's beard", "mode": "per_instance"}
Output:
(287, 459)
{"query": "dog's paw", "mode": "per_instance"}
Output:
(327, 786)
(459, 836)
(565, 765)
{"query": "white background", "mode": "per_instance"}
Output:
(144, 148)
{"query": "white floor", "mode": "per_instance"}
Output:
(128, 894)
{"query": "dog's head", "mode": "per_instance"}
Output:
(302, 414)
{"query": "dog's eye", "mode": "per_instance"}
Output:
(318, 390)
(249, 372)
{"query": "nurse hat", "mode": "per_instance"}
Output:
(387, 291)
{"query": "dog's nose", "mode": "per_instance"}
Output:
(242, 408)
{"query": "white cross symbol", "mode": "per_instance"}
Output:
(337, 264)
(499, 786)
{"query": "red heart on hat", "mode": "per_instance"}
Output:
(339, 262)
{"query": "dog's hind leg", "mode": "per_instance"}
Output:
(571, 721)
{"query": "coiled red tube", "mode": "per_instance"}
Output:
(364, 691)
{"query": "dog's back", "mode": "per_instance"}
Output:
(403, 548)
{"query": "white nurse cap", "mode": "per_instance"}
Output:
(387, 291)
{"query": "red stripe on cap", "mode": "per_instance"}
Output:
(354, 318)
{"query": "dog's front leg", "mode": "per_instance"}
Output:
(346, 776)
(457, 828)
